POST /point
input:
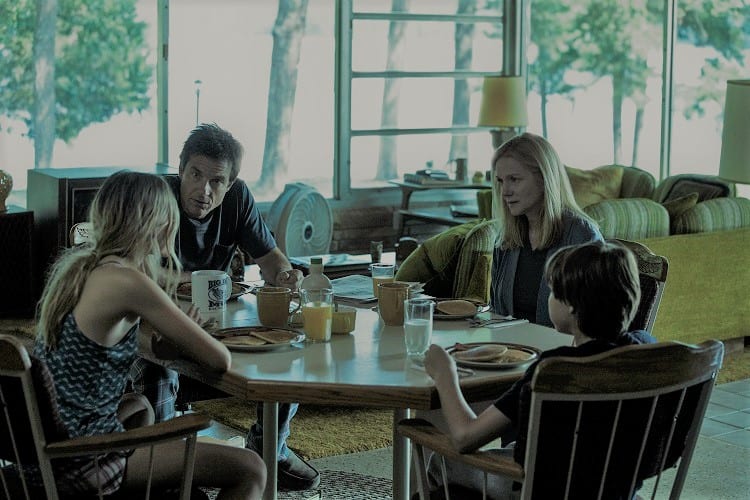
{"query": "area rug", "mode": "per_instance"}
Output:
(340, 485)
(317, 431)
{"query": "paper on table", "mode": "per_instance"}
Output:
(354, 288)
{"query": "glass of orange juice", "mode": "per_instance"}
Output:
(317, 313)
(381, 273)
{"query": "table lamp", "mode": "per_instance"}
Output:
(735, 138)
(503, 107)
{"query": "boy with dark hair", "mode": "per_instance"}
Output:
(594, 296)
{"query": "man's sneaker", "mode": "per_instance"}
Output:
(296, 474)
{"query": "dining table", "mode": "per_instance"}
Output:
(367, 368)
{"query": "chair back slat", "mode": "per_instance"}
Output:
(652, 274)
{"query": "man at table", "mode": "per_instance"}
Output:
(218, 214)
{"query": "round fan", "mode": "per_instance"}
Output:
(301, 221)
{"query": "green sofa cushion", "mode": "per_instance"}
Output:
(718, 214)
(630, 218)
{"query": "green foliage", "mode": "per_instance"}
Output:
(101, 66)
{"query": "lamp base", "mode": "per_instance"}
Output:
(501, 135)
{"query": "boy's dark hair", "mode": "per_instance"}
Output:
(208, 139)
(600, 281)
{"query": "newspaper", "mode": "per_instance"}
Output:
(355, 288)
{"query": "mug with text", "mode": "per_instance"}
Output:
(210, 291)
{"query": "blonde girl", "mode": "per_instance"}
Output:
(94, 299)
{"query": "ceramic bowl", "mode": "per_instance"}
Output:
(344, 320)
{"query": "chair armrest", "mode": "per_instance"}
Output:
(139, 437)
(424, 433)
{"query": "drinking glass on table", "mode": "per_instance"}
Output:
(381, 273)
(317, 313)
(417, 326)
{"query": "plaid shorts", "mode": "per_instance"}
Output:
(158, 384)
(79, 475)
(84, 475)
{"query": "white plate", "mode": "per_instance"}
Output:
(183, 290)
(248, 330)
(494, 365)
(443, 316)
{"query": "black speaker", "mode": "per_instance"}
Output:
(16, 268)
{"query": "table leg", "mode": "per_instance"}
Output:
(401, 458)
(406, 193)
(270, 446)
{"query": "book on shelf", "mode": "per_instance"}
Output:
(464, 210)
(430, 181)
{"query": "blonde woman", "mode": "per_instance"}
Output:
(537, 216)
(91, 307)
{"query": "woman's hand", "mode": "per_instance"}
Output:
(440, 365)
(194, 313)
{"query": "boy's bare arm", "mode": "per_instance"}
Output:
(467, 430)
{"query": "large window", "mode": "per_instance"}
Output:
(347, 94)
(414, 72)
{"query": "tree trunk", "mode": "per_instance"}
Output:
(463, 51)
(544, 100)
(387, 163)
(637, 129)
(617, 99)
(44, 119)
(288, 31)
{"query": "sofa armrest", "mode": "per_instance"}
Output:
(718, 214)
(630, 218)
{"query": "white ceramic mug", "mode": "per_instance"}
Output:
(210, 291)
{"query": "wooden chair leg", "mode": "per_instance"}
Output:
(420, 469)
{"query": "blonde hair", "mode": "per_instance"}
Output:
(537, 154)
(133, 216)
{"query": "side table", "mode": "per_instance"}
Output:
(16, 263)
(441, 215)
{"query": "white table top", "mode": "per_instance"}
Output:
(368, 367)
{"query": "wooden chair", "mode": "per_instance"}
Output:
(31, 436)
(79, 233)
(652, 271)
(600, 425)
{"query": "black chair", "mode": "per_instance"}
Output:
(599, 426)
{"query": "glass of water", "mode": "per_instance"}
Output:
(417, 326)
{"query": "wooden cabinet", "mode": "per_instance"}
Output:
(17, 298)
(60, 197)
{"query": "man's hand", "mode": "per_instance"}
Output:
(290, 279)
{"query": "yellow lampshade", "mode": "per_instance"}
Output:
(735, 137)
(503, 102)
